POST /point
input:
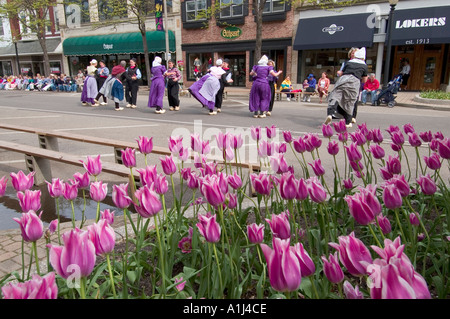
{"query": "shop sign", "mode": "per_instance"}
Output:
(108, 46)
(231, 33)
(332, 29)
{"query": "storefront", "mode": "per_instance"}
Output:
(323, 43)
(112, 48)
(422, 36)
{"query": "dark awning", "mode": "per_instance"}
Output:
(32, 47)
(337, 31)
(421, 26)
(119, 43)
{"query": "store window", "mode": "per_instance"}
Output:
(195, 10)
(55, 67)
(112, 10)
(77, 12)
(231, 8)
(273, 6)
(2, 31)
(5, 68)
(198, 64)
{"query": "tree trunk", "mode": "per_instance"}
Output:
(258, 6)
(41, 38)
(142, 28)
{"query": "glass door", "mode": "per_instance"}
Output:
(237, 65)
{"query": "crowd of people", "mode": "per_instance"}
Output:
(53, 82)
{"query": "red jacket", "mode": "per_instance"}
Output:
(371, 85)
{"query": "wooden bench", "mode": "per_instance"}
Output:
(279, 95)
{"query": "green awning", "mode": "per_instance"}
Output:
(118, 43)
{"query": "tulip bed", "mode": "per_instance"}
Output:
(372, 224)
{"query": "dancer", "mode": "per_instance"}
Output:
(157, 88)
(224, 80)
(205, 89)
(114, 91)
(260, 92)
(133, 76)
(173, 75)
(272, 81)
(90, 89)
(102, 76)
(345, 93)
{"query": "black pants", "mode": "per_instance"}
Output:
(272, 95)
(131, 92)
(335, 108)
(219, 95)
(172, 93)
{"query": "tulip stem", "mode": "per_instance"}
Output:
(97, 218)
(36, 258)
(313, 285)
(111, 276)
(57, 212)
(399, 224)
(83, 211)
(83, 287)
(374, 235)
(218, 268)
(161, 256)
(73, 214)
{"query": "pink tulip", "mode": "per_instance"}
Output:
(332, 269)
(212, 191)
(261, 183)
(287, 137)
(223, 140)
(98, 191)
(414, 139)
(327, 130)
(391, 196)
(147, 174)
(53, 226)
(76, 257)
(271, 132)
(36, 288)
(302, 190)
(426, 136)
(196, 143)
(149, 203)
(288, 186)
(279, 225)
(385, 174)
(235, 181)
(209, 227)
(427, 185)
(265, 149)
(102, 236)
(70, 192)
(414, 219)
(55, 188)
(402, 185)
(358, 138)
(408, 128)
(340, 127)
(129, 157)
(443, 147)
(306, 263)
(120, 196)
(161, 185)
(185, 244)
(107, 215)
(180, 286)
(353, 153)
(93, 165)
(145, 145)
(278, 163)
(343, 137)
(82, 180)
(433, 161)
(3, 183)
(317, 167)
(377, 136)
(351, 253)
(255, 233)
(312, 141)
(255, 133)
(168, 165)
(21, 182)
(350, 292)
(175, 144)
(316, 191)
(385, 224)
(393, 165)
(398, 138)
(348, 184)
(299, 145)
(333, 148)
(364, 206)
(377, 151)
(29, 200)
(31, 226)
(283, 266)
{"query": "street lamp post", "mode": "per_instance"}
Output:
(387, 62)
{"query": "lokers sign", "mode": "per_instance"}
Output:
(231, 33)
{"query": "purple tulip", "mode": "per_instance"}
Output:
(433, 161)
(327, 130)
(212, 191)
(316, 190)
(398, 138)
(223, 140)
(400, 182)
(353, 153)
(271, 132)
(145, 145)
(299, 145)
(348, 184)
(261, 183)
(414, 140)
(120, 196)
(427, 185)
(426, 136)
(364, 206)
(147, 174)
(70, 191)
(287, 137)
(29, 200)
(255, 233)
(350, 292)
(288, 186)
(358, 138)
(306, 263)
(55, 188)
(129, 157)
(98, 191)
(377, 151)
(149, 203)
(161, 185)
(391, 196)
(3, 184)
(444, 148)
(278, 163)
(175, 144)
(317, 167)
(393, 165)
(93, 165)
(168, 165)
(384, 223)
(414, 219)
(312, 141)
(340, 127)
(102, 236)
(21, 182)
(279, 225)
(76, 257)
(408, 128)
(255, 133)
(385, 173)
(82, 180)
(235, 181)
(392, 129)
(302, 189)
(333, 148)
(351, 253)
(31, 226)
(209, 227)
(332, 269)
(36, 288)
(53, 226)
(283, 266)
(196, 143)
(107, 215)
(185, 244)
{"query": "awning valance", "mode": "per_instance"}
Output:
(118, 43)
(421, 26)
(337, 31)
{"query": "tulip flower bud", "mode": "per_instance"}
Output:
(209, 227)
(149, 203)
(333, 148)
(385, 224)
(31, 226)
(3, 183)
(287, 137)
(129, 157)
(29, 200)
(145, 144)
(70, 191)
(55, 188)
(327, 130)
(120, 196)
(102, 236)
(168, 165)
(391, 196)
(332, 269)
(433, 161)
(279, 224)
(147, 174)
(82, 180)
(107, 215)
(350, 292)
(98, 191)
(317, 167)
(427, 185)
(288, 186)
(414, 219)
(36, 288)
(271, 132)
(255, 233)
(316, 191)
(21, 182)
(93, 165)
(306, 263)
(443, 147)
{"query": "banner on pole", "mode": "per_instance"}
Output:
(159, 5)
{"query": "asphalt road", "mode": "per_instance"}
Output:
(64, 112)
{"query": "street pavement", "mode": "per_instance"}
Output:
(63, 112)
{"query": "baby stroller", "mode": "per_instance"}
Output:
(387, 95)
